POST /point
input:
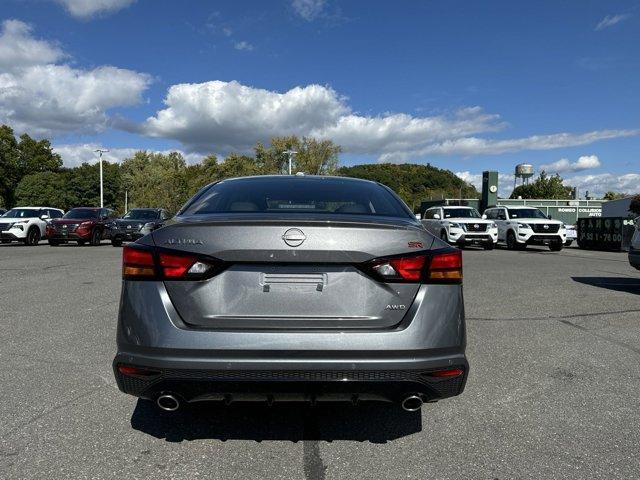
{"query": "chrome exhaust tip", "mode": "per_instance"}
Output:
(168, 402)
(412, 403)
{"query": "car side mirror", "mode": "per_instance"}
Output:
(484, 217)
(44, 216)
(436, 216)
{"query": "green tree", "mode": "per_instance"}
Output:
(544, 186)
(43, 188)
(155, 180)
(21, 158)
(613, 196)
(8, 165)
(313, 157)
(414, 183)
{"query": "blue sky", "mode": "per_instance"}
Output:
(466, 86)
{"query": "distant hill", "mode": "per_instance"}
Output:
(414, 183)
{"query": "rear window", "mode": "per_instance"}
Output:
(295, 195)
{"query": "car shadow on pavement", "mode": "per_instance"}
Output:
(373, 422)
(619, 284)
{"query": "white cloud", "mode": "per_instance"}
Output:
(246, 46)
(470, 146)
(43, 97)
(308, 9)
(76, 154)
(86, 9)
(227, 116)
(19, 49)
(611, 20)
(597, 185)
(585, 162)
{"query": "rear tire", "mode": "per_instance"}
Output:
(6, 240)
(511, 240)
(33, 237)
(96, 236)
(556, 247)
(116, 242)
(54, 243)
(488, 246)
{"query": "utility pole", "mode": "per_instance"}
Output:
(126, 201)
(100, 152)
(291, 153)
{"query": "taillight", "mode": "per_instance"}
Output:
(175, 266)
(436, 267)
(137, 263)
(446, 267)
(409, 269)
(147, 263)
(449, 373)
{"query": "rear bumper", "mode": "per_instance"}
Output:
(201, 364)
(308, 381)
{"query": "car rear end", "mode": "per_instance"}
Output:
(308, 289)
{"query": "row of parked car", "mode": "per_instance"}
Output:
(82, 225)
(516, 227)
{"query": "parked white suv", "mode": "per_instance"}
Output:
(634, 248)
(522, 226)
(27, 224)
(461, 226)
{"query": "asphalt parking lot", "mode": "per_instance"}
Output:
(554, 347)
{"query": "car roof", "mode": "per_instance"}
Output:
(38, 208)
(457, 206)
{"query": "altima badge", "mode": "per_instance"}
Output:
(183, 241)
(294, 237)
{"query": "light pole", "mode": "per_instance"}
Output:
(291, 153)
(100, 152)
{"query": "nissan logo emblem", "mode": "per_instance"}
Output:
(294, 237)
(546, 227)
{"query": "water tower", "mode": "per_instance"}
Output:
(523, 171)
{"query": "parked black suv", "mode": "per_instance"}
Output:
(136, 223)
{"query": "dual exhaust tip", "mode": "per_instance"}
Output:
(170, 403)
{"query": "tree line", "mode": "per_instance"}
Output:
(32, 174)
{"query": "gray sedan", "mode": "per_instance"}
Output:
(291, 288)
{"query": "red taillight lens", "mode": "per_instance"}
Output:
(175, 266)
(446, 267)
(449, 373)
(131, 370)
(409, 268)
(137, 263)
